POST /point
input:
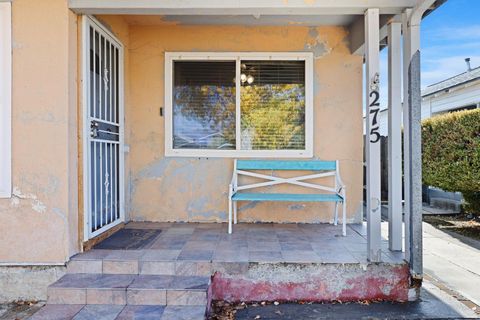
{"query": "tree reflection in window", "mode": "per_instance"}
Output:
(204, 105)
(272, 105)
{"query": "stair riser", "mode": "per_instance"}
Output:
(181, 268)
(126, 297)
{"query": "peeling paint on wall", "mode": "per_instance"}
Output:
(317, 44)
(44, 148)
(36, 204)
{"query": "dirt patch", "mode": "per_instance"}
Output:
(461, 224)
(222, 310)
(19, 310)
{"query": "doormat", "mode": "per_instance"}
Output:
(129, 239)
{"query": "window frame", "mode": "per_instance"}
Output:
(6, 100)
(171, 57)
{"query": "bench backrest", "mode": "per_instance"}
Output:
(310, 165)
(327, 168)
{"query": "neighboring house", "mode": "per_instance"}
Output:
(119, 111)
(460, 92)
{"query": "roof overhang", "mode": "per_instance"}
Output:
(238, 7)
(346, 13)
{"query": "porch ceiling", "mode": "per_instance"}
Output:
(250, 20)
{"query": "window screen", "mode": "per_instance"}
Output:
(272, 105)
(204, 105)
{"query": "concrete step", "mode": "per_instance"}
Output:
(151, 262)
(126, 289)
(78, 312)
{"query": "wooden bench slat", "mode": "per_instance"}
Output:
(312, 165)
(288, 197)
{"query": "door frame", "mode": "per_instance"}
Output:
(88, 21)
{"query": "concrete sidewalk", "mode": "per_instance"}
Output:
(433, 304)
(453, 260)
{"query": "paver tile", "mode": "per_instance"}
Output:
(184, 313)
(190, 282)
(196, 255)
(160, 255)
(57, 312)
(93, 254)
(124, 255)
(304, 256)
(157, 267)
(141, 312)
(120, 267)
(114, 296)
(84, 266)
(151, 282)
(186, 298)
(296, 246)
(103, 312)
(265, 256)
(193, 268)
(146, 297)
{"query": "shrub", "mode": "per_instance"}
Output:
(451, 154)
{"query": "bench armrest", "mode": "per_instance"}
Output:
(234, 182)
(340, 184)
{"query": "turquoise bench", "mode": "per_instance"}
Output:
(254, 169)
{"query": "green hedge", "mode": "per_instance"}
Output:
(451, 154)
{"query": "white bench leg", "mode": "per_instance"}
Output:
(344, 218)
(229, 215)
(234, 212)
(335, 218)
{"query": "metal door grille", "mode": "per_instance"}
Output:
(104, 129)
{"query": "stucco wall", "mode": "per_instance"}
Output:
(193, 189)
(39, 223)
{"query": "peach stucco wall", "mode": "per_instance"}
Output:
(39, 223)
(192, 189)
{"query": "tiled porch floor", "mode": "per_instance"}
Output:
(258, 242)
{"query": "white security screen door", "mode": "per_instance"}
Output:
(103, 129)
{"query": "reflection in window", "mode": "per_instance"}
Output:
(272, 105)
(204, 105)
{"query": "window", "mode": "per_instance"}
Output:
(238, 104)
(5, 99)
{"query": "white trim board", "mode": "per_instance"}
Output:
(170, 57)
(5, 100)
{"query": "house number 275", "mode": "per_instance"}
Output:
(374, 108)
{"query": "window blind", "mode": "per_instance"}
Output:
(272, 105)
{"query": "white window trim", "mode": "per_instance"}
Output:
(5, 100)
(170, 57)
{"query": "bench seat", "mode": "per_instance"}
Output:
(288, 197)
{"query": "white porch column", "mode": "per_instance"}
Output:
(372, 143)
(394, 137)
